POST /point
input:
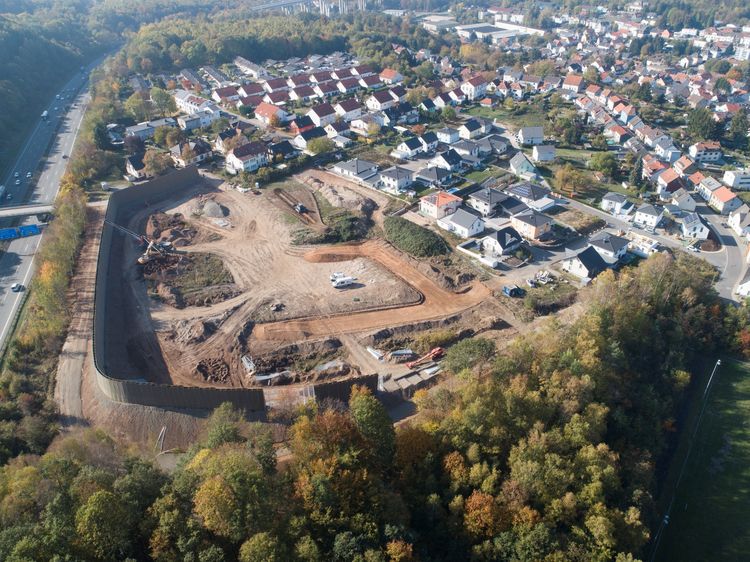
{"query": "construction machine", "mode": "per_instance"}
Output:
(152, 246)
(431, 355)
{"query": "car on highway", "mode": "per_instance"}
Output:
(16, 174)
(9, 196)
(18, 182)
(16, 287)
(28, 174)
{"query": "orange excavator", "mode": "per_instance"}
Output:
(431, 355)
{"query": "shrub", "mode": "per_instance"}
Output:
(466, 354)
(413, 239)
(430, 340)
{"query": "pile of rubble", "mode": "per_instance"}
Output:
(170, 228)
(213, 370)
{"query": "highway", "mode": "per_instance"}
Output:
(58, 132)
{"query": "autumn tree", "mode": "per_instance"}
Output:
(570, 180)
(156, 162)
(163, 101)
(102, 526)
(138, 107)
(604, 162)
(320, 145)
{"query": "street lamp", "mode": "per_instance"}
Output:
(708, 385)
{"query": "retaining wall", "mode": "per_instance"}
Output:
(120, 385)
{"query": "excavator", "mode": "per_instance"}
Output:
(152, 246)
(431, 355)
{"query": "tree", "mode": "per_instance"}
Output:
(636, 172)
(570, 180)
(738, 128)
(134, 144)
(102, 526)
(448, 113)
(138, 107)
(468, 353)
(274, 121)
(100, 136)
(163, 101)
(156, 162)
(591, 74)
(723, 85)
(174, 136)
(320, 145)
(374, 424)
(701, 125)
(604, 162)
(160, 136)
(373, 129)
(262, 547)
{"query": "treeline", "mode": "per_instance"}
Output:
(175, 44)
(547, 451)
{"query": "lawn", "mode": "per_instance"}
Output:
(523, 115)
(709, 514)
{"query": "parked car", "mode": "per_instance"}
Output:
(513, 291)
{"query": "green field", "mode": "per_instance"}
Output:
(524, 115)
(709, 519)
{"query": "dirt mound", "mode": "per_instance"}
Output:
(171, 228)
(295, 356)
(346, 199)
(213, 370)
(213, 210)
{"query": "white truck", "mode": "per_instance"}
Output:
(341, 282)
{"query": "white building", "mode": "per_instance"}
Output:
(463, 223)
(707, 151)
(648, 216)
(737, 179)
(396, 179)
(692, 226)
(248, 157)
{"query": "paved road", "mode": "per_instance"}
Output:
(59, 130)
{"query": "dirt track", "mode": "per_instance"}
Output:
(437, 301)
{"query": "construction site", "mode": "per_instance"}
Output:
(211, 288)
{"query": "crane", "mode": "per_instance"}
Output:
(151, 248)
(435, 353)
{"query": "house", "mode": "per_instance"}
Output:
(408, 148)
(737, 179)
(530, 135)
(337, 128)
(543, 153)
(282, 150)
(666, 150)
(226, 94)
(429, 141)
(521, 166)
(146, 129)
(610, 247)
(248, 158)
(614, 203)
(743, 288)
(447, 135)
(486, 200)
(428, 106)
(448, 160)
(302, 94)
(391, 76)
(724, 200)
(706, 151)
(502, 242)
(472, 129)
(349, 85)
(326, 90)
(301, 141)
(739, 221)
(366, 125)
(474, 88)
(379, 101)
(190, 152)
(668, 182)
(648, 216)
(692, 226)
(434, 177)
(251, 69)
(587, 264)
(573, 83)
(279, 97)
(135, 167)
(356, 169)
(533, 195)
(463, 222)
(466, 148)
(267, 112)
(322, 114)
(275, 84)
(228, 138)
(396, 179)
(683, 200)
(198, 120)
(685, 166)
(531, 224)
(301, 124)
(189, 103)
(438, 205)
(251, 89)
(706, 187)
(348, 110)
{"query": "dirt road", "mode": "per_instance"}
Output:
(75, 349)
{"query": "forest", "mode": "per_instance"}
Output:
(546, 450)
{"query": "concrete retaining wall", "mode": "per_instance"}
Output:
(122, 385)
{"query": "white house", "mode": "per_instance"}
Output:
(463, 223)
(408, 148)
(439, 204)
(609, 246)
(248, 157)
(521, 166)
(474, 88)
(348, 110)
(739, 221)
(737, 179)
(447, 135)
(379, 101)
(322, 114)
(543, 153)
(648, 216)
(614, 203)
(586, 264)
(706, 151)
(356, 169)
(724, 200)
(530, 135)
(502, 242)
(692, 226)
(448, 160)
(396, 179)
(707, 186)
(683, 200)
(486, 200)
(472, 128)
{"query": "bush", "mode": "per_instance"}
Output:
(413, 239)
(430, 340)
(467, 354)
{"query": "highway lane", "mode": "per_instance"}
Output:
(60, 131)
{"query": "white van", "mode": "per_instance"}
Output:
(342, 282)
